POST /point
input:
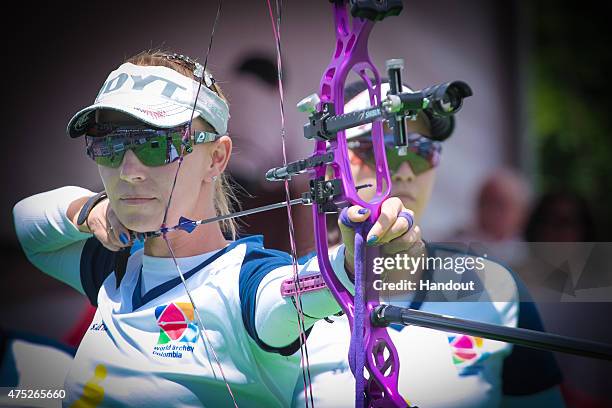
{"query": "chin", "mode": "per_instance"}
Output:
(141, 222)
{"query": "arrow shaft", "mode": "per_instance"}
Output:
(250, 211)
(244, 213)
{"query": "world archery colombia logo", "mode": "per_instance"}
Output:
(467, 353)
(177, 330)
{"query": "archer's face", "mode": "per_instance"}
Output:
(139, 194)
(414, 190)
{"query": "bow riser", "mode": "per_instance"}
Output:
(351, 54)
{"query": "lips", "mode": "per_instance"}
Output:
(135, 200)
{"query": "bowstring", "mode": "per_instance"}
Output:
(202, 331)
(305, 363)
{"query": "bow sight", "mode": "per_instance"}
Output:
(439, 100)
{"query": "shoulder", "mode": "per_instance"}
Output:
(256, 252)
(257, 262)
(98, 263)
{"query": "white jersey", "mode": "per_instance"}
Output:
(441, 369)
(143, 347)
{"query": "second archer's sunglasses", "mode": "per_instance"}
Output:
(423, 154)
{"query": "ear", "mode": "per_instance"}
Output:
(220, 153)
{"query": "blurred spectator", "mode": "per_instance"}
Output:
(553, 273)
(561, 217)
(501, 210)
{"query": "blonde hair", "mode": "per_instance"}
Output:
(225, 200)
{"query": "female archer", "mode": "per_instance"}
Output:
(189, 319)
(437, 369)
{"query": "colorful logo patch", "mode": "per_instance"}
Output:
(467, 353)
(176, 323)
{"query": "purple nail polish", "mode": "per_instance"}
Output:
(363, 211)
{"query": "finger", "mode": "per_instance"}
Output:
(350, 218)
(112, 235)
(401, 226)
(99, 229)
(388, 214)
(404, 243)
(105, 236)
(120, 234)
(114, 241)
(357, 213)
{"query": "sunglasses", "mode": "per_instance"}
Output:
(153, 147)
(423, 154)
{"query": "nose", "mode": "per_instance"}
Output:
(132, 169)
(403, 174)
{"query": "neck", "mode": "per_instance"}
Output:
(205, 238)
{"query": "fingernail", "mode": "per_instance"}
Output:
(363, 211)
(372, 240)
(123, 237)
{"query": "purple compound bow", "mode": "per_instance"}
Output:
(370, 346)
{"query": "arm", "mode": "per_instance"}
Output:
(48, 234)
(271, 318)
(272, 307)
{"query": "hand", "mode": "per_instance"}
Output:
(391, 231)
(106, 227)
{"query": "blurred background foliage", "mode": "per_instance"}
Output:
(569, 107)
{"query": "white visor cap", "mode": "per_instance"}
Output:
(156, 95)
